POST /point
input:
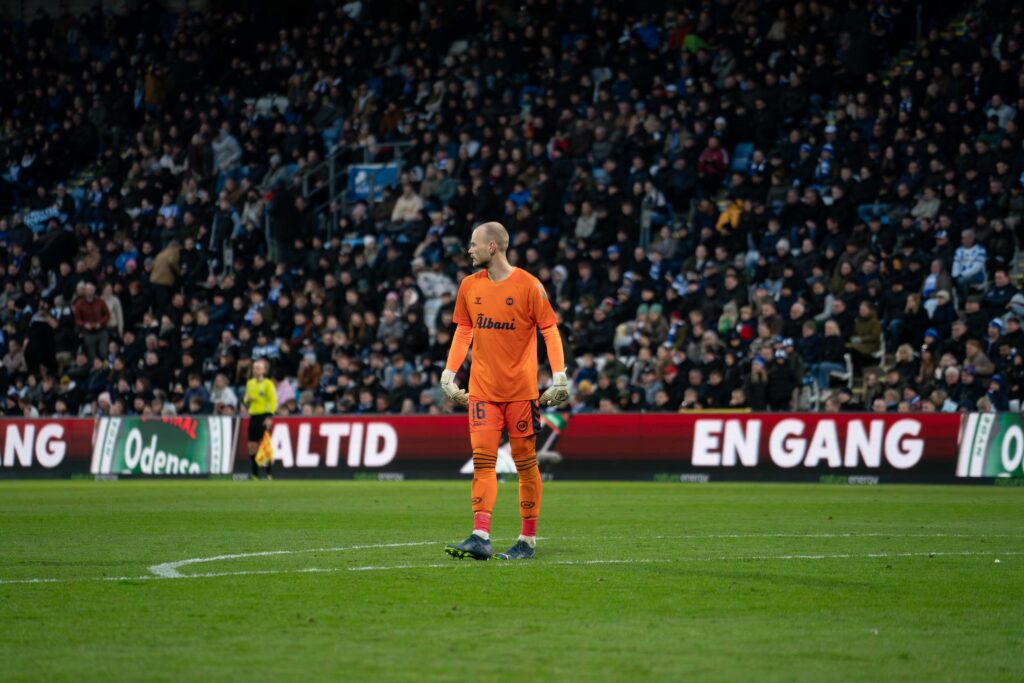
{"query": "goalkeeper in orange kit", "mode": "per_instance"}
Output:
(498, 311)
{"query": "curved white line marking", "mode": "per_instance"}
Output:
(169, 570)
(454, 564)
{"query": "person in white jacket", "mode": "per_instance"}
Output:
(227, 153)
(116, 325)
(408, 206)
(969, 264)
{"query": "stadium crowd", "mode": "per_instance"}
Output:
(762, 205)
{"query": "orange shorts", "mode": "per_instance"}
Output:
(520, 418)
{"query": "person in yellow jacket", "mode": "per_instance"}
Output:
(729, 220)
(261, 401)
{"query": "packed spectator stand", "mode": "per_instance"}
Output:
(753, 205)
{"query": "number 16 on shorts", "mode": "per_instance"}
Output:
(520, 418)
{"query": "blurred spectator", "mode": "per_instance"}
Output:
(91, 319)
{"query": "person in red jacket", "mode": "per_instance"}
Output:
(712, 166)
(91, 318)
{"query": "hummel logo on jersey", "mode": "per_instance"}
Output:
(483, 323)
(478, 301)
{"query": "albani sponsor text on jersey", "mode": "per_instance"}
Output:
(483, 323)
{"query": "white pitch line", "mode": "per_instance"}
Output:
(836, 535)
(449, 565)
(169, 570)
(862, 556)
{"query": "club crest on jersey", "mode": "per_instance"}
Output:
(483, 323)
(508, 301)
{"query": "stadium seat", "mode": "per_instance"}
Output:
(880, 353)
(845, 375)
(741, 157)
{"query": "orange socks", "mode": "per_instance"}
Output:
(485, 479)
(524, 453)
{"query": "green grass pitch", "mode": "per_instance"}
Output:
(632, 582)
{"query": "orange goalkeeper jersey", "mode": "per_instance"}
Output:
(504, 316)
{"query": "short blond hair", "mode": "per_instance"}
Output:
(495, 232)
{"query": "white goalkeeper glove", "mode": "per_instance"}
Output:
(457, 396)
(558, 392)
